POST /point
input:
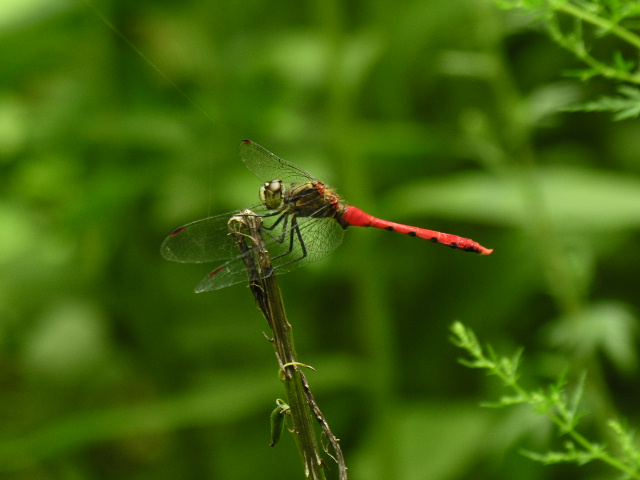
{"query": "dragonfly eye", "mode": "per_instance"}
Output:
(271, 194)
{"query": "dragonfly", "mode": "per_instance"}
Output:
(304, 221)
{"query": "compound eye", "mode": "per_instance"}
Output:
(271, 194)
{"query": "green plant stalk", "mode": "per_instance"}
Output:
(303, 424)
(377, 342)
(266, 291)
(581, 52)
(565, 427)
(506, 370)
(614, 28)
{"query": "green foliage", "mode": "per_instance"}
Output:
(447, 115)
(579, 27)
(278, 421)
(557, 403)
(624, 106)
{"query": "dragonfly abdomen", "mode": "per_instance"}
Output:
(353, 216)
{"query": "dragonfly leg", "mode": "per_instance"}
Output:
(279, 239)
(295, 230)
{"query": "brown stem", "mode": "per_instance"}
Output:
(246, 229)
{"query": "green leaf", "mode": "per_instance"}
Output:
(578, 199)
(607, 327)
(571, 454)
(625, 106)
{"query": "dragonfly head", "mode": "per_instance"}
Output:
(271, 194)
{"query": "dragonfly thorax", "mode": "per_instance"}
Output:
(313, 199)
(271, 194)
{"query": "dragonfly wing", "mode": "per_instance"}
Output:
(205, 240)
(232, 272)
(267, 166)
(321, 236)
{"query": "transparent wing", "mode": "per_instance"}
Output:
(320, 237)
(292, 241)
(205, 240)
(267, 166)
(227, 274)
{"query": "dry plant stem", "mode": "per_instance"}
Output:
(333, 440)
(246, 231)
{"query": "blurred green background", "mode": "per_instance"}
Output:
(442, 114)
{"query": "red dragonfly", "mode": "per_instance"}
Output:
(304, 221)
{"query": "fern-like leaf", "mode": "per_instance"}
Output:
(626, 105)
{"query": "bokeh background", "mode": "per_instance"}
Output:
(442, 114)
